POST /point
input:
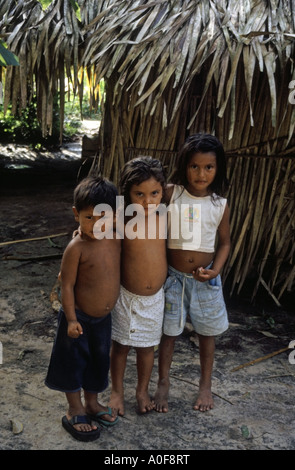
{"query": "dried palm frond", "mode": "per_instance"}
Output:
(47, 45)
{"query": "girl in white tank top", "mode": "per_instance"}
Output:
(198, 247)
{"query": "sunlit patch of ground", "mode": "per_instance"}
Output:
(17, 156)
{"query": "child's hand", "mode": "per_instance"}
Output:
(74, 329)
(202, 275)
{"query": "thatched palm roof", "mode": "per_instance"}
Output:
(46, 44)
(152, 45)
(172, 68)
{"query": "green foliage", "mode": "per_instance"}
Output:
(76, 8)
(74, 3)
(73, 115)
(7, 57)
(45, 3)
(24, 128)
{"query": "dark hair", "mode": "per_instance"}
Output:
(95, 190)
(202, 143)
(140, 169)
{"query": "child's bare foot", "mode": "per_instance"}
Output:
(117, 403)
(205, 400)
(144, 402)
(161, 396)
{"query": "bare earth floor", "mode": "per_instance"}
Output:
(254, 406)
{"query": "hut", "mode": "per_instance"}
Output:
(172, 68)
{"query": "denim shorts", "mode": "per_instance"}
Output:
(81, 362)
(202, 301)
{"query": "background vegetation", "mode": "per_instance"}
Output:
(25, 128)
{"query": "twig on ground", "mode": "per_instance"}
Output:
(255, 361)
(33, 239)
(32, 258)
(193, 383)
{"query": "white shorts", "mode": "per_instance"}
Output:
(137, 320)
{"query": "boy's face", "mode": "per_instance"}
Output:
(148, 192)
(87, 220)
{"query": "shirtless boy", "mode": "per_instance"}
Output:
(138, 315)
(90, 278)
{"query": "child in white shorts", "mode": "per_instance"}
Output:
(137, 319)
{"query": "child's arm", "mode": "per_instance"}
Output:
(69, 269)
(222, 250)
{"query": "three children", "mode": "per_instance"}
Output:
(92, 285)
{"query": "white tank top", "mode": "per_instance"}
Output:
(193, 221)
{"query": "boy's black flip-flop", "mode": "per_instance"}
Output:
(85, 436)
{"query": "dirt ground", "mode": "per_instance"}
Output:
(254, 406)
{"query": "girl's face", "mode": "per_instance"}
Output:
(200, 173)
(148, 192)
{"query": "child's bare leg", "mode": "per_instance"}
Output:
(92, 407)
(204, 400)
(119, 353)
(166, 350)
(145, 362)
(76, 408)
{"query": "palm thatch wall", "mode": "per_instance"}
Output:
(172, 68)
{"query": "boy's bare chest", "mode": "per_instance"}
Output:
(99, 257)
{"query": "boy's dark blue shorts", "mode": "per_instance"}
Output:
(82, 362)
